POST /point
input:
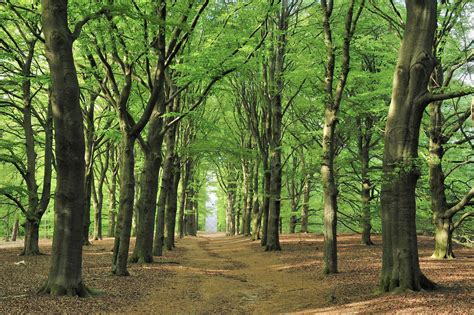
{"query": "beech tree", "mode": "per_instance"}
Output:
(66, 258)
(410, 96)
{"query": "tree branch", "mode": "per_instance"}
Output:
(460, 205)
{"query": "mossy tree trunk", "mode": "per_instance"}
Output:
(400, 263)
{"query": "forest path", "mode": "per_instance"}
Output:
(224, 275)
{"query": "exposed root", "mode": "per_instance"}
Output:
(272, 248)
(33, 253)
(393, 285)
(79, 290)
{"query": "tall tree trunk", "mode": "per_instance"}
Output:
(166, 183)
(98, 197)
(305, 207)
(172, 206)
(230, 210)
(400, 264)
(66, 257)
(190, 215)
(364, 139)
(135, 218)
(89, 177)
(125, 214)
(112, 194)
(36, 207)
(182, 203)
(332, 104)
(16, 226)
(329, 191)
(248, 198)
(143, 251)
(266, 201)
(256, 213)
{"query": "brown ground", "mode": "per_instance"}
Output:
(213, 274)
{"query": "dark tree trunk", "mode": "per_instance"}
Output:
(36, 207)
(266, 201)
(125, 214)
(182, 203)
(112, 194)
(98, 197)
(305, 207)
(31, 247)
(364, 139)
(400, 264)
(16, 226)
(256, 213)
(171, 207)
(89, 177)
(143, 251)
(66, 257)
(230, 210)
(166, 183)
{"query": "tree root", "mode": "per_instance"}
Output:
(272, 248)
(393, 285)
(79, 290)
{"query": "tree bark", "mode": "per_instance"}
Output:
(400, 263)
(172, 206)
(256, 213)
(16, 226)
(112, 194)
(89, 176)
(36, 206)
(65, 274)
(166, 183)
(125, 214)
(143, 251)
(364, 139)
(305, 207)
(182, 203)
(332, 104)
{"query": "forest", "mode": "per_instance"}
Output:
(236, 156)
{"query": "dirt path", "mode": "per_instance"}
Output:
(227, 276)
(214, 274)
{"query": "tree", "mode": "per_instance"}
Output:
(66, 258)
(331, 106)
(410, 96)
(22, 51)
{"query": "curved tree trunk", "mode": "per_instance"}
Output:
(400, 264)
(65, 274)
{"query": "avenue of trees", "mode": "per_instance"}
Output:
(308, 116)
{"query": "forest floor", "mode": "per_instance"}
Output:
(214, 274)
